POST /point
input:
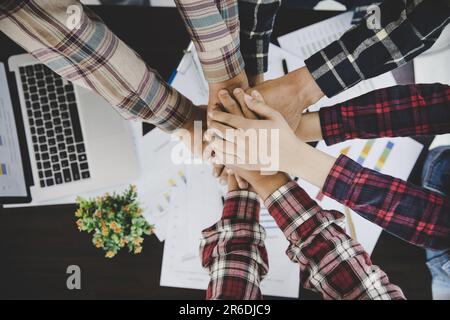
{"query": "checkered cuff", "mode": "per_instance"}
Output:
(341, 179)
(222, 64)
(332, 126)
(291, 207)
(333, 69)
(241, 205)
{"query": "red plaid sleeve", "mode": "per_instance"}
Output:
(233, 250)
(399, 111)
(331, 263)
(415, 214)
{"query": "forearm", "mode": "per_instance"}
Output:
(399, 111)
(408, 28)
(309, 164)
(415, 214)
(256, 24)
(93, 57)
(331, 263)
(214, 28)
(233, 250)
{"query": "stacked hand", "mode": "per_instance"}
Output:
(291, 94)
(232, 146)
(264, 185)
(216, 103)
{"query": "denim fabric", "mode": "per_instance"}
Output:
(436, 176)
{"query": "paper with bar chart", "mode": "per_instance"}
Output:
(12, 179)
(393, 156)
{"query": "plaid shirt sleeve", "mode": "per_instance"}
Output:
(331, 263)
(93, 57)
(257, 19)
(233, 250)
(399, 111)
(408, 28)
(417, 215)
(214, 29)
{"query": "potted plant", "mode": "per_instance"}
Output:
(115, 221)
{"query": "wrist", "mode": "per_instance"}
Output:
(308, 91)
(267, 185)
(311, 164)
(254, 80)
(309, 129)
(239, 81)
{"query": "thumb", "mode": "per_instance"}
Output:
(258, 107)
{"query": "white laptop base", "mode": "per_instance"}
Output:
(107, 136)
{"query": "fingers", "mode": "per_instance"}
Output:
(238, 122)
(241, 182)
(220, 172)
(255, 102)
(217, 170)
(224, 146)
(258, 96)
(219, 129)
(239, 95)
(233, 184)
(229, 104)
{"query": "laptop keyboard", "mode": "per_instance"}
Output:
(55, 127)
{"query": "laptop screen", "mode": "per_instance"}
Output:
(12, 177)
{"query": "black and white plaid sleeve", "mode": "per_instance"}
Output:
(256, 19)
(408, 28)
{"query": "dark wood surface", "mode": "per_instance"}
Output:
(38, 244)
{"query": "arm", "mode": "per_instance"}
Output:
(415, 214)
(214, 29)
(93, 57)
(399, 111)
(331, 263)
(408, 29)
(256, 20)
(233, 250)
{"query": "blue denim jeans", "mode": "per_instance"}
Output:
(436, 177)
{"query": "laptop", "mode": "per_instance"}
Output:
(57, 139)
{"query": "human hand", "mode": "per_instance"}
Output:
(247, 147)
(291, 94)
(191, 134)
(233, 185)
(264, 185)
(231, 106)
(240, 81)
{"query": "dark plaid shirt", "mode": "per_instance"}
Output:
(331, 263)
(408, 28)
(413, 213)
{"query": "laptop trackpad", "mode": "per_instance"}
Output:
(99, 119)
